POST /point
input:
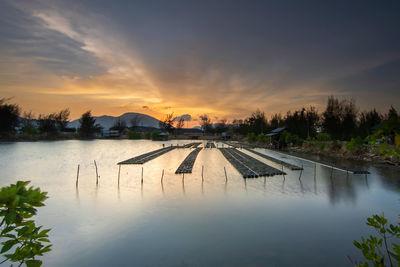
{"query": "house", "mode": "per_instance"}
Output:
(110, 133)
(273, 136)
(163, 136)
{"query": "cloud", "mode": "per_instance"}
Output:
(119, 58)
(185, 117)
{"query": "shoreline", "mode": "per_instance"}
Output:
(365, 157)
(338, 154)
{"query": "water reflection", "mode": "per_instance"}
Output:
(226, 226)
(183, 184)
(77, 194)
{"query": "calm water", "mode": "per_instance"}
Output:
(273, 221)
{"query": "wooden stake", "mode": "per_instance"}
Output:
(77, 176)
(315, 170)
(97, 174)
(119, 172)
(162, 175)
(202, 169)
(226, 177)
(142, 176)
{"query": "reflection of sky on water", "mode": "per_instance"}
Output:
(296, 219)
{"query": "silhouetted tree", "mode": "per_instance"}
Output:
(62, 119)
(9, 116)
(367, 121)
(340, 118)
(313, 120)
(349, 119)
(205, 123)
(296, 123)
(221, 126)
(87, 125)
(28, 126)
(276, 121)
(332, 118)
(391, 126)
(180, 124)
(392, 114)
(240, 127)
(47, 123)
(168, 123)
(119, 125)
(257, 122)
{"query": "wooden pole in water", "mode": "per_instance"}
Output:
(77, 176)
(332, 173)
(142, 176)
(119, 172)
(315, 170)
(226, 177)
(97, 174)
(202, 169)
(162, 175)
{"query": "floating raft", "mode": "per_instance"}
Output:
(210, 145)
(195, 145)
(329, 165)
(248, 166)
(147, 156)
(187, 165)
(285, 164)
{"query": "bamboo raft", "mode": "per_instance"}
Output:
(210, 145)
(147, 156)
(247, 166)
(283, 163)
(187, 164)
(329, 165)
(193, 145)
(320, 162)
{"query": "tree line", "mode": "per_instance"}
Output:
(341, 120)
(49, 125)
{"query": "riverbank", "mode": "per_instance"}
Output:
(334, 149)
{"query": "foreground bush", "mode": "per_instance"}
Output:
(134, 135)
(377, 250)
(22, 241)
(355, 145)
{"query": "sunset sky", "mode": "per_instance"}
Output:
(222, 58)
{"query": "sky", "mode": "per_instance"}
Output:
(221, 58)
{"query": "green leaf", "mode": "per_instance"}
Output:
(33, 263)
(10, 217)
(8, 245)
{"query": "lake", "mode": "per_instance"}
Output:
(289, 220)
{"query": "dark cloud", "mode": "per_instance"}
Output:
(214, 57)
(185, 117)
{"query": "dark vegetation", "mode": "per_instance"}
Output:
(381, 249)
(22, 241)
(88, 126)
(44, 126)
(340, 125)
(9, 114)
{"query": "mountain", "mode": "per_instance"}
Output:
(108, 121)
